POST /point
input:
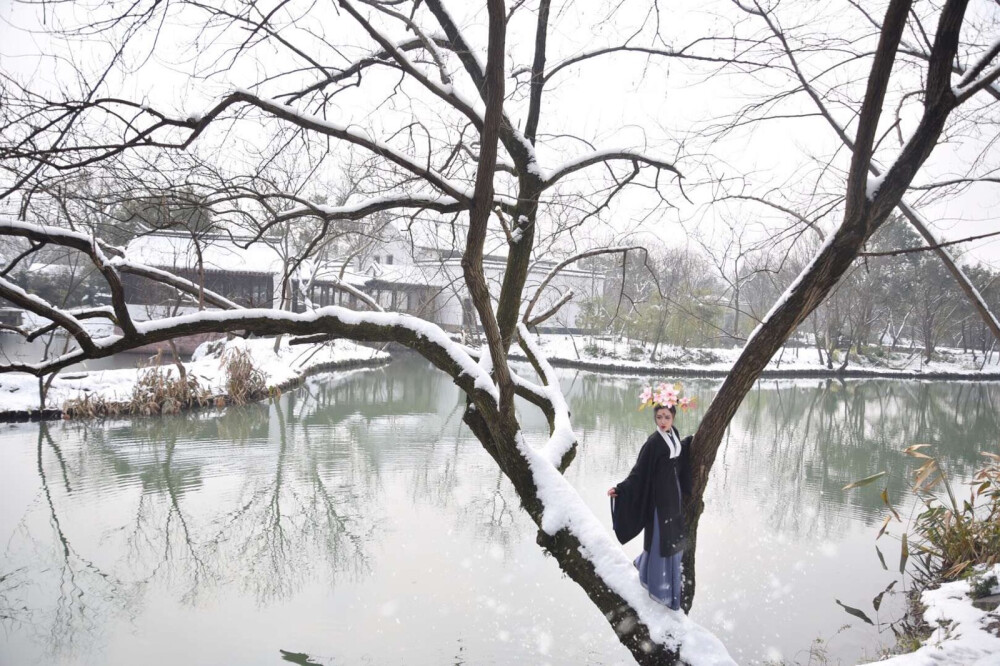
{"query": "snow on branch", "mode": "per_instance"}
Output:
(104, 311)
(23, 299)
(562, 439)
(44, 233)
(603, 156)
(524, 388)
(987, 80)
(445, 92)
(358, 294)
(425, 337)
(88, 245)
(362, 209)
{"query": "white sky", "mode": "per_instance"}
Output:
(614, 101)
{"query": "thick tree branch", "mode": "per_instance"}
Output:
(472, 259)
(83, 313)
(585, 161)
(551, 312)
(537, 72)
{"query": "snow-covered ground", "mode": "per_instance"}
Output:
(599, 352)
(19, 391)
(960, 635)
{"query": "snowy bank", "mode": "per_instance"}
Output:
(287, 367)
(604, 355)
(963, 634)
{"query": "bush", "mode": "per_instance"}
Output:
(90, 406)
(982, 586)
(953, 537)
(161, 390)
(158, 390)
(244, 382)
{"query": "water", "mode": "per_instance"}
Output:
(358, 522)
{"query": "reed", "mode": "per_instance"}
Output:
(954, 535)
(244, 382)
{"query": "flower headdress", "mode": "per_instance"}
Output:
(664, 395)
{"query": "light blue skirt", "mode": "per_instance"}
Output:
(661, 576)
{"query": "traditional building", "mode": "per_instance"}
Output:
(423, 281)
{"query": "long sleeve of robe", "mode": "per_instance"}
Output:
(634, 496)
(684, 473)
(656, 486)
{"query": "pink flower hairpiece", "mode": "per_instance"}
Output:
(664, 395)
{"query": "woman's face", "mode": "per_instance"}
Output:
(664, 419)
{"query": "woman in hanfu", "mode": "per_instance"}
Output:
(651, 498)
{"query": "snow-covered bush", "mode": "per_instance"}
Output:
(244, 382)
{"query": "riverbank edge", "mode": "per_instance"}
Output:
(798, 373)
(622, 369)
(935, 626)
(218, 400)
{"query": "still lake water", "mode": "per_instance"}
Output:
(357, 520)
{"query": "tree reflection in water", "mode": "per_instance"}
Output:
(266, 499)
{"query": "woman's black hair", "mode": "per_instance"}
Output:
(672, 408)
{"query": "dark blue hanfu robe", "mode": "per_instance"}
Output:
(651, 498)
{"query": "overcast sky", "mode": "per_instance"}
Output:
(614, 101)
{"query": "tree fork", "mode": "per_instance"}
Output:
(566, 549)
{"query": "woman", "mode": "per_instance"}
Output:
(652, 498)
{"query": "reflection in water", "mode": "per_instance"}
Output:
(358, 518)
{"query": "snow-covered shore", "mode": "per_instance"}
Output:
(287, 367)
(962, 635)
(604, 355)
(19, 392)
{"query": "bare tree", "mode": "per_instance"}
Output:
(453, 135)
(444, 139)
(872, 189)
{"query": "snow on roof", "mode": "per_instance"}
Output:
(420, 275)
(179, 251)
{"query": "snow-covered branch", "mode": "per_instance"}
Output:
(103, 311)
(551, 312)
(604, 156)
(980, 75)
(40, 306)
(433, 342)
(561, 446)
(362, 209)
(445, 91)
(44, 233)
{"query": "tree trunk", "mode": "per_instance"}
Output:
(566, 549)
(819, 347)
(803, 298)
(847, 355)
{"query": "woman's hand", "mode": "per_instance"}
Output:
(612, 492)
